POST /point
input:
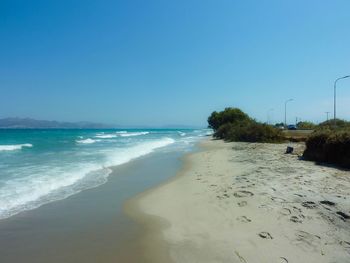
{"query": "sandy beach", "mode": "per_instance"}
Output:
(245, 203)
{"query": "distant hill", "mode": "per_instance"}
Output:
(28, 123)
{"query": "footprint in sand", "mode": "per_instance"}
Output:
(242, 203)
(265, 235)
(265, 207)
(243, 219)
(283, 260)
(240, 194)
(296, 219)
(278, 199)
(309, 204)
(306, 240)
(343, 216)
(326, 202)
(264, 193)
(285, 211)
(296, 209)
(345, 244)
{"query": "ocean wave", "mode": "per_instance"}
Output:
(47, 184)
(131, 134)
(106, 136)
(14, 147)
(120, 132)
(127, 154)
(51, 185)
(87, 141)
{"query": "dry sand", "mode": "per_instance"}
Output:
(241, 202)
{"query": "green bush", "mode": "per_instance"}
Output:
(232, 124)
(229, 115)
(306, 125)
(340, 124)
(249, 132)
(329, 146)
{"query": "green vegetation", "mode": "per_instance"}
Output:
(330, 143)
(297, 135)
(229, 115)
(306, 125)
(329, 125)
(232, 124)
(329, 146)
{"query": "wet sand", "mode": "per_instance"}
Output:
(89, 226)
(241, 202)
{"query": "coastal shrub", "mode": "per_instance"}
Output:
(306, 125)
(229, 115)
(329, 146)
(340, 124)
(249, 132)
(232, 124)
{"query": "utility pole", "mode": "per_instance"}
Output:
(269, 118)
(285, 112)
(335, 98)
(327, 112)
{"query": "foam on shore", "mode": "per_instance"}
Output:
(48, 184)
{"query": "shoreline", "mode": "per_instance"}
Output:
(251, 203)
(153, 247)
(89, 226)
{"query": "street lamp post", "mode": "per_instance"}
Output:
(335, 98)
(269, 116)
(285, 112)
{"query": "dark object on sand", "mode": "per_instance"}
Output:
(289, 150)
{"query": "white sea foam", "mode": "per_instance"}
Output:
(125, 155)
(209, 133)
(87, 141)
(33, 191)
(120, 132)
(14, 147)
(131, 134)
(47, 184)
(106, 136)
(182, 133)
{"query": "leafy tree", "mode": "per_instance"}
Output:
(229, 115)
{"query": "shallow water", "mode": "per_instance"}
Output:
(88, 226)
(41, 166)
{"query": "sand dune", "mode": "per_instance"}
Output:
(240, 202)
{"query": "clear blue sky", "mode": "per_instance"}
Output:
(172, 62)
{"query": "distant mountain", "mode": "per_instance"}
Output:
(27, 123)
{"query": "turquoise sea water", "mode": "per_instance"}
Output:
(41, 166)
